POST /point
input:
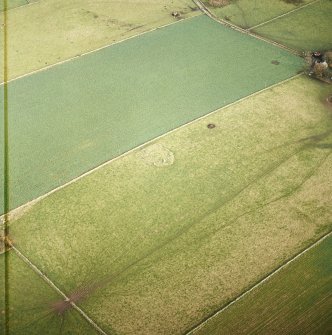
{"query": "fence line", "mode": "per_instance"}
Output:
(206, 11)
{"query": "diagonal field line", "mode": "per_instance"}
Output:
(50, 283)
(206, 11)
(98, 49)
(242, 295)
(282, 15)
(32, 202)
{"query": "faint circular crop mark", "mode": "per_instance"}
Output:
(156, 155)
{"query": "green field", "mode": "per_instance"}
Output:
(161, 238)
(12, 4)
(73, 117)
(248, 13)
(307, 29)
(297, 300)
(81, 26)
(30, 302)
(176, 229)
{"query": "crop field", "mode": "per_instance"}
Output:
(248, 13)
(164, 175)
(306, 29)
(81, 26)
(32, 302)
(117, 98)
(297, 300)
(128, 235)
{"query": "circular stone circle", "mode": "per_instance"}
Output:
(211, 125)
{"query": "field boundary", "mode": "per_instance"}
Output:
(19, 209)
(28, 3)
(51, 284)
(96, 50)
(282, 15)
(206, 11)
(259, 283)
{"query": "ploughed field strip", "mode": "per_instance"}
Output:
(75, 116)
(34, 306)
(297, 300)
(163, 237)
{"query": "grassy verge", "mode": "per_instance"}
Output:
(248, 13)
(307, 29)
(297, 300)
(31, 301)
(169, 233)
(81, 25)
(72, 117)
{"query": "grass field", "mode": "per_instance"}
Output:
(72, 117)
(159, 239)
(307, 29)
(173, 231)
(297, 300)
(31, 301)
(248, 13)
(81, 26)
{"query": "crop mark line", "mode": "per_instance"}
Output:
(184, 229)
(96, 50)
(230, 198)
(281, 267)
(31, 202)
(270, 202)
(50, 283)
(282, 15)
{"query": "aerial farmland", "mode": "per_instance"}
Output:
(166, 167)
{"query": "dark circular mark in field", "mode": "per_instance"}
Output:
(211, 125)
(275, 62)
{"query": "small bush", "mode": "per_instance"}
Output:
(319, 69)
(328, 57)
